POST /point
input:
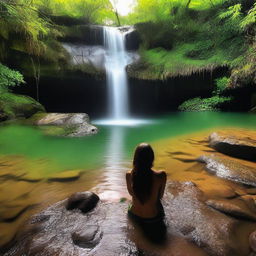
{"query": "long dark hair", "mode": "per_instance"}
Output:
(142, 173)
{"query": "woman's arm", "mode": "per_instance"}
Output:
(163, 183)
(128, 183)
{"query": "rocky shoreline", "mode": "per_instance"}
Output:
(216, 216)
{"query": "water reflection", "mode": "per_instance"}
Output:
(115, 167)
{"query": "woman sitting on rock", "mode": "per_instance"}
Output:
(146, 187)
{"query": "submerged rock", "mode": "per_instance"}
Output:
(66, 176)
(70, 124)
(88, 238)
(230, 169)
(240, 147)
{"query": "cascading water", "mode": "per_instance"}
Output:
(116, 60)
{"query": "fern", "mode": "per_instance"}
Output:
(249, 19)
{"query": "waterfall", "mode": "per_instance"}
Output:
(116, 60)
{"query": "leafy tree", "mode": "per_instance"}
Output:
(221, 84)
(248, 23)
(9, 78)
(20, 18)
(92, 11)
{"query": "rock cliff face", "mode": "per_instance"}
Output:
(83, 34)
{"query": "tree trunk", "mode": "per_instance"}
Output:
(117, 17)
(188, 3)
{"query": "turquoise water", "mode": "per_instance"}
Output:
(113, 145)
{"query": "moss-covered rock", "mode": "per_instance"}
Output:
(13, 106)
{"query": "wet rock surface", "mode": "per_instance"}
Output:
(252, 240)
(209, 229)
(107, 229)
(74, 124)
(241, 147)
(233, 208)
(132, 39)
(230, 169)
(57, 231)
(88, 238)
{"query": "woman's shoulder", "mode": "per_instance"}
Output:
(128, 173)
(160, 174)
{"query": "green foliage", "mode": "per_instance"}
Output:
(191, 39)
(208, 104)
(20, 19)
(162, 10)
(249, 21)
(92, 11)
(9, 78)
(150, 10)
(221, 85)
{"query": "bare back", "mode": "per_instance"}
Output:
(150, 208)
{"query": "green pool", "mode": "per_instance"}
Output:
(114, 144)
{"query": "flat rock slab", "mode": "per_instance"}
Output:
(235, 209)
(57, 231)
(63, 119)
(237, 146)
(106, 229)
(74, 124)
(230, 169)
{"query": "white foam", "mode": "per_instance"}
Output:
(122, 122)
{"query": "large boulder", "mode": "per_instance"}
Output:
(241, 147)
(229, 169)
(64, 124)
